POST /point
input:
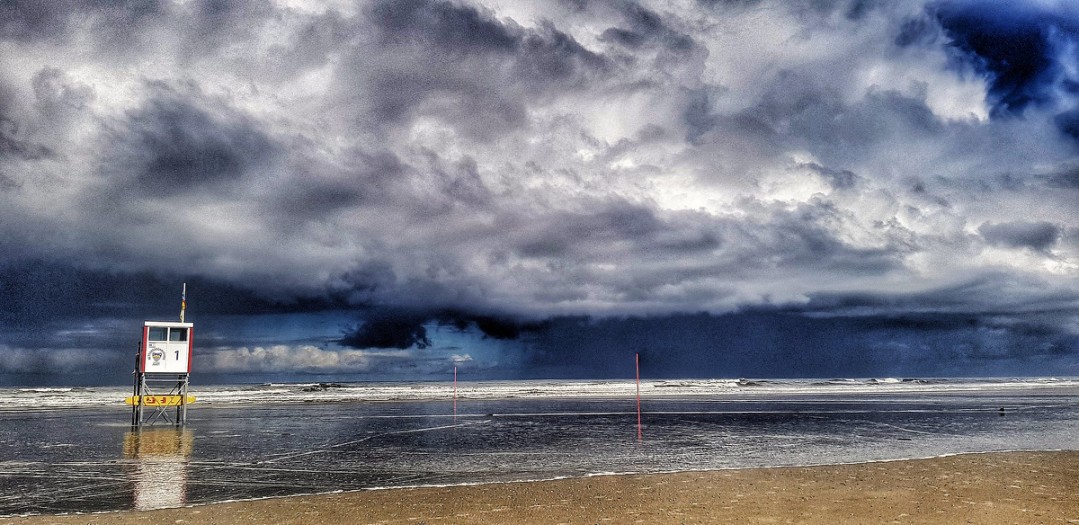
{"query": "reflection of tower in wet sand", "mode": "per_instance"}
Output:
(160, 472)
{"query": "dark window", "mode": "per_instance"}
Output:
(177, 334)
(158, 333)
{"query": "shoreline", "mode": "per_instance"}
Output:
(210, 395)
(989, 487)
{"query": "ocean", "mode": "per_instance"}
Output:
(65, 450)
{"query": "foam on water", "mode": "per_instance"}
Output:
(223, 395)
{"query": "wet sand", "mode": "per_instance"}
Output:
(1024, 487)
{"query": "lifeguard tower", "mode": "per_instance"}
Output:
(163, 371)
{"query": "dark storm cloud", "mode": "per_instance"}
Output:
(778, 343)
(730, 3)
(458, 32)
(220, 23)
(1033, 235)
(619, 222)
(60, 319)
(68, 325)
(373, 178)
(57, 21)
(969, 298)
(917, 30)
(1067, 179)
(13, 144)
(443, 25)
(391, 328)
(482, 65)
(1025, 49)
(36, 292)
(120, 28)
(1068, 122)
(647, 28)
(173, 145)
(798, 237)
(852, 9)
(802, 108)
(6, 182)
(1022, 47)
(839, 179)
(26, 20)
(501, 328)
(388, 329)
(382, 180)
(797, 110)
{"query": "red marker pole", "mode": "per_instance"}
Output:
(637, 359)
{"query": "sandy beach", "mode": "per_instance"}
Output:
(1022, 487)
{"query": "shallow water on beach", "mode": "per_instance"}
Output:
(88, 459)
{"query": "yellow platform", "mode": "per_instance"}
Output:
(159, 401)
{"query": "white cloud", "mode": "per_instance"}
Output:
(283, 358)
(310, 359)
(56, 360)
